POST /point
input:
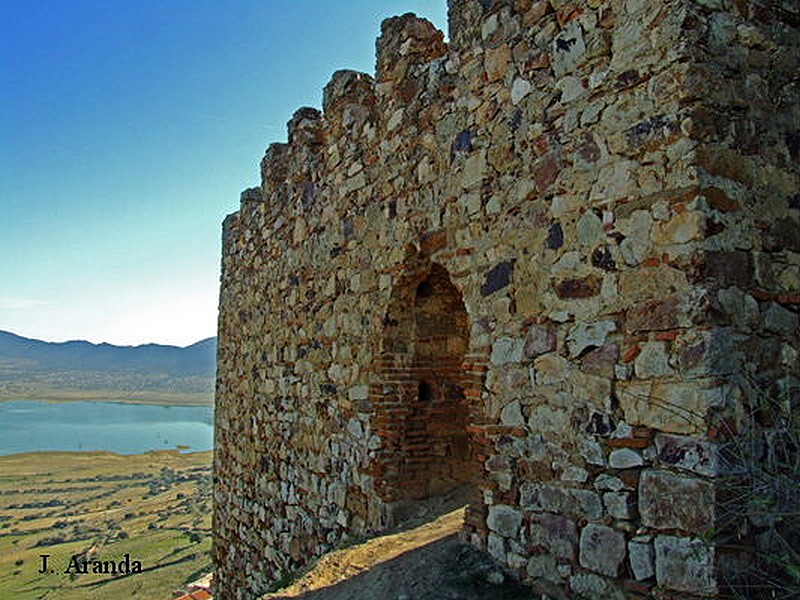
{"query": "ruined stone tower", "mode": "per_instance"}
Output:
(554, 261)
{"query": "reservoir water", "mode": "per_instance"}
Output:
(31, 426)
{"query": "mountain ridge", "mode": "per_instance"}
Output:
(195, 359)
(76, 369)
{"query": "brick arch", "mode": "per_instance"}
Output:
(422, 398)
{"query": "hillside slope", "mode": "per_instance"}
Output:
(75, 370)
(422, 562)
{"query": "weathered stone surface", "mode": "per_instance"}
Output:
(653, 361)
(586, 335)
(496, 61)
(496, 546)
(589, 229)
(568, 49)
(595, 587)
(740, 307)
(608, 482)
(781, 320)
(624, 458)
(651, 283)
(519, 89)
(555, 236)
(540, 339)
(636, 229)
(619, 505)
(358, 392)
(582, 287)
(511, 415)
(642, 559)
(507, 350)
(591, 451)
(602, 549)
(729, 268)
(504, 520)
(543, 566)
(557, 534)
(475, 170)
(570, 502)
(654, 315)
(667, 501)
(601, 361)
(685, 564)
(533, 261)
(692, 454)
(498, 277)
(670, 407)
(681, 228)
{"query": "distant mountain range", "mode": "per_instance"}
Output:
(32, 368)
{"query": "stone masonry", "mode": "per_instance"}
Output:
(551, 261)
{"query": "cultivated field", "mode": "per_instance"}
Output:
(155, 507)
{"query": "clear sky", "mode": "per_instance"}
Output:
(128, 130)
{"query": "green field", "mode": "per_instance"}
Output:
(156, 507)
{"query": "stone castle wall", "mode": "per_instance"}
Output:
(549, 262)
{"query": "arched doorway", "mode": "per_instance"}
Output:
(421, 410)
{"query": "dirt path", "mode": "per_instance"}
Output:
(425, 563)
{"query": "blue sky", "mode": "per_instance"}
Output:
(127, 131)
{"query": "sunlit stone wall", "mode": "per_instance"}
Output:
(555, 260)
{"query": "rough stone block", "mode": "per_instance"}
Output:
(570, 502)
(653, 361)
(588, 335)
(780, 320)
(685, 564)
(641, 556)
(568, 49)
(497, 547)
(556, 533)
(619, 505)
(540, 339)
(667, 501)
(581, 287)
(624, 458)
(648, 284)
(511, 415)
(729, 268)
(602, 549)
(601, 361)
(595, 587)
(654, 315)
(669, 407)
(358, 392)
(608, 482)
(689, 453)
(681, 228)
(498, 277)
(507, 350)
(504, 520)
(543, 566)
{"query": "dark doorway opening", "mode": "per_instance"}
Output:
(422, 412)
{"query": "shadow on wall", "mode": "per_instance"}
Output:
(422, 412)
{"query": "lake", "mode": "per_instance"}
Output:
(31, 426)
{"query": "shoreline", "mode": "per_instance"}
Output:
(172, 452)
(154, 398)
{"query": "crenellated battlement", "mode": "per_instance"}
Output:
(551, 267)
